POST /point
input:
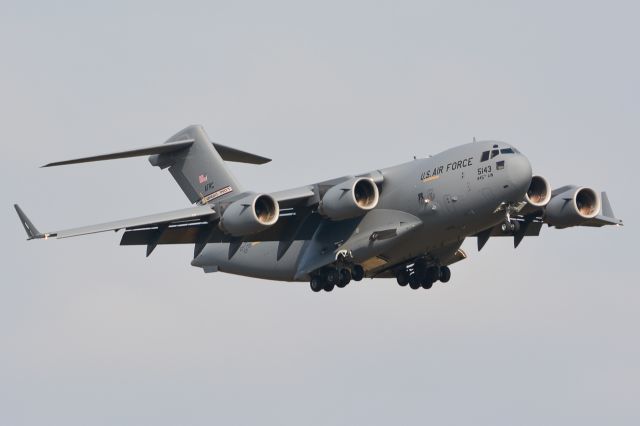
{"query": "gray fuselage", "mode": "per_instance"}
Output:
(448, 197)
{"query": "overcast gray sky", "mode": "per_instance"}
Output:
(93, 333)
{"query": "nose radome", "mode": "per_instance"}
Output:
(520, 172)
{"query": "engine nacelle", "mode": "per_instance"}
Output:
(249, 215)
(539, 192)
(349, 199)
(572, 207)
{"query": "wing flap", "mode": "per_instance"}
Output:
(172, 235)
(299, 227)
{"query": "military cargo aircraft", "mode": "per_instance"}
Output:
(405, 222)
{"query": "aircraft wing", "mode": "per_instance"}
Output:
(178, 217)
(606, 216)
(198, 224)
(310, 195)
(530, 221)
(296, 197)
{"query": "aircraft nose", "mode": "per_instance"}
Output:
(519, 171)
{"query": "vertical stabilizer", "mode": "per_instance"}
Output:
(199, 169)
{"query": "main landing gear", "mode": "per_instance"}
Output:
(330, 277)
(422, 275)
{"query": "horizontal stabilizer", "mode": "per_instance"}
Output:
(157, 149)
(231, 154)
(226, 152)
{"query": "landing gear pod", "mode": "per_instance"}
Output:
(349, 199)
(250, 215)
(572, 207)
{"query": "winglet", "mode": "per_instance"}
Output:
(32, 231)
(606, 206)
(606, 216)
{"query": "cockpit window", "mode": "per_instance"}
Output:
(506, 151)
(495, 152)
(485, 156)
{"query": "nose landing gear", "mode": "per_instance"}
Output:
(510, 226)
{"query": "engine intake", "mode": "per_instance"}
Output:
(349, 199)
(249, 215)
(539, 192)
(573, 207)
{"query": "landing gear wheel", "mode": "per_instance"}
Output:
(316, 284)
(432, 274)
(427, 284)
(445, 274)
(328, 286)
(331, 277)
(358, 273)
(510, 226)
(344, 279)
(413, 282)
(402, 277)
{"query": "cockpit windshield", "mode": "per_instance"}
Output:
(495, 152)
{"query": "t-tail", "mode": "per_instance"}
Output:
(197, 164)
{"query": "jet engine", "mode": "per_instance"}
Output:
(572, 207)
(539, 192)
(249, 215)
(351, 198)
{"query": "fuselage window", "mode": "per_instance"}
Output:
(495, 152)
(485, 156)
(506, 151)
